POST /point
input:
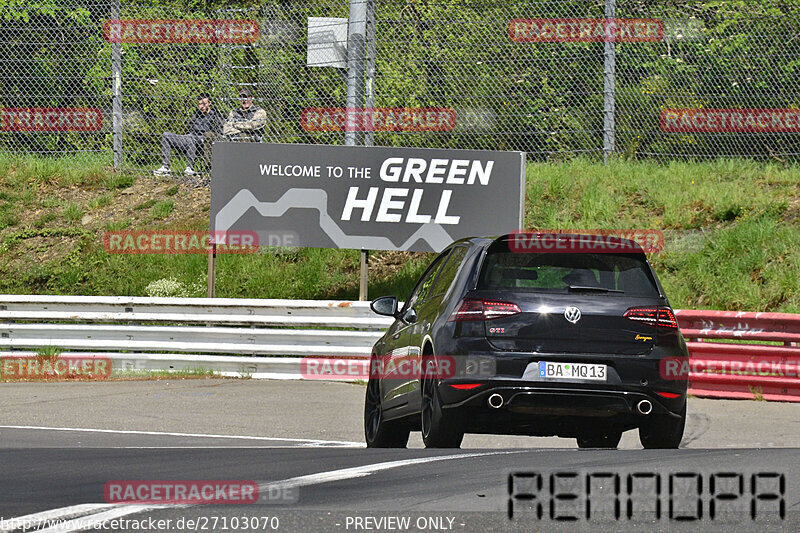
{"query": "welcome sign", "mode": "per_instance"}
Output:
(374, 198)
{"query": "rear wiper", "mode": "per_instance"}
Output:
(595, 289)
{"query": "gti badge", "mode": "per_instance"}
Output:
(572, 314)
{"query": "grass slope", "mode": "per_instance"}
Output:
(732, 230)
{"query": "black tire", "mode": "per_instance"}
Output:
(440, 428)
(378, 432)
(607, 439)
(663, 432)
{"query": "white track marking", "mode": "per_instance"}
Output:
(366, 470)
(265, 447)
(303, 442)
(88, 522)
(111, 511)
(63, 513)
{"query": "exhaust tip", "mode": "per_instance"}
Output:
(495, 401)
(644, 407)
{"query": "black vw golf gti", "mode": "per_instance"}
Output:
(555, 339)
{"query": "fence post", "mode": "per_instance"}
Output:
(609, 86)
(369, 136)
(372, 50)
(356, 30)
(116, 87)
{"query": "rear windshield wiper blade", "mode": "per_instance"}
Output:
(595, 289)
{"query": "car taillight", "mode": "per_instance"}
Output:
(474, 309)
(653, 316)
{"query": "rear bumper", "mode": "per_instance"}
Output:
(535, 409)
(573, 401)
(629, 380)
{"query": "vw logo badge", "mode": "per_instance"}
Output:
(572, 314)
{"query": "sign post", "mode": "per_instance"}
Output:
(212, 270)
(364, 277)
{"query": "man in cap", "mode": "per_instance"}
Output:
(243, 124)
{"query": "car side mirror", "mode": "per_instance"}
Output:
(385, 305)
(409, 317)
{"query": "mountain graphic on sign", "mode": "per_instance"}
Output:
(433, 234)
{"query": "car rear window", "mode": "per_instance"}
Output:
(557, 272)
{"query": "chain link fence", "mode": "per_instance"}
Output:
(553, 78)
(55, 85)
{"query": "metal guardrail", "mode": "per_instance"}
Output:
(222, 311)
(742, 371)
(244, 341)
(193, 333)
(189, 329)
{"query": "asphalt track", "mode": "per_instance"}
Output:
(60, 443)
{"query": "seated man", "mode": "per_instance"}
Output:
(203, 120)
(243, 124)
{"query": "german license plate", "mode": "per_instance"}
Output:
(550, 370)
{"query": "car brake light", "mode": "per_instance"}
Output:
(653, 316)
(492, 309)
(475, 309)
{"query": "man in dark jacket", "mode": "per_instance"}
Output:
(203, 120)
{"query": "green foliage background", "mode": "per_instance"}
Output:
(545, 99)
